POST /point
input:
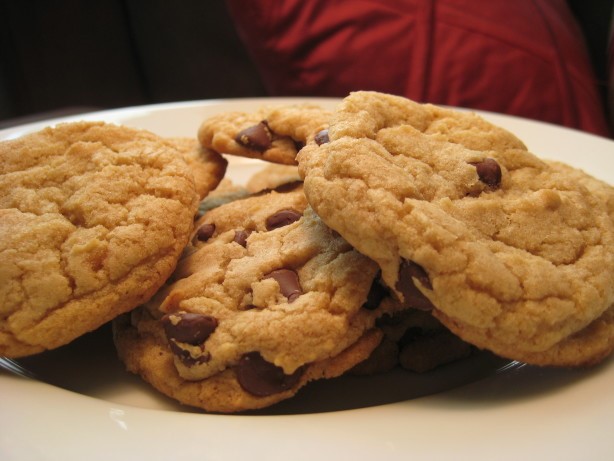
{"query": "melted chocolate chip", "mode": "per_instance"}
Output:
(489, 172)
(376, 294)
(205, 232)
(288, 283)
(241, 237)
(258, 137)
(408, 270)
(186, 327)
(322, 137)
(282, 218)
(262, 378)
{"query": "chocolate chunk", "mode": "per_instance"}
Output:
(288, 283)
(262, 378)
(205, 232)
(186, 327)
(241, 237)
(282, 218)
(489, 172)
(408, 270)
(258, 137)
(376, 294)
(322, 137)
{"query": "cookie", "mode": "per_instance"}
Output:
(207, 166)
(414, 340)
(512, 254)
(244, 214)
(592, 344)
(273, 133)
(93, 218)
(264, 285)
(143, 347)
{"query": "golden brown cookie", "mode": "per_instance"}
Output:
(143, 347)
(93, 218)
(265, 289)
(516, 256)
(274, 133)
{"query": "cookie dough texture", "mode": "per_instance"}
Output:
(292, 292)
(516, 262)
(93, 218)
(272, 133)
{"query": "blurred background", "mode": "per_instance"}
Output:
(69, 56)
(66, 55)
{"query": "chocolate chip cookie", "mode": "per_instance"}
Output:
(274, 133)
(93, 218)
(512, 254)
(266, 299)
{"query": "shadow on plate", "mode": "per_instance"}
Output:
(89, 366)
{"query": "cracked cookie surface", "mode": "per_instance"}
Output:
(93, 219)
(514, 254)
(263, 284)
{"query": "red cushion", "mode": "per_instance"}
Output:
(521, 57)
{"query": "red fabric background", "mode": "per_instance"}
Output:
(520, 57)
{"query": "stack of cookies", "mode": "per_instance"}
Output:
(384, 233)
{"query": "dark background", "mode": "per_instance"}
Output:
(75, 54)
(62, 56)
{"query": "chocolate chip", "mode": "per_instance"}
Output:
(258, 137)
(262, 378)
(408, 270)
(376, 294)
(489, 172)
(282, 218)
(241, 237)
(187, 327)
(288, 283)
(322, 137)
(205, 232)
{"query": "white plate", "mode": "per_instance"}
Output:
(479, 409)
